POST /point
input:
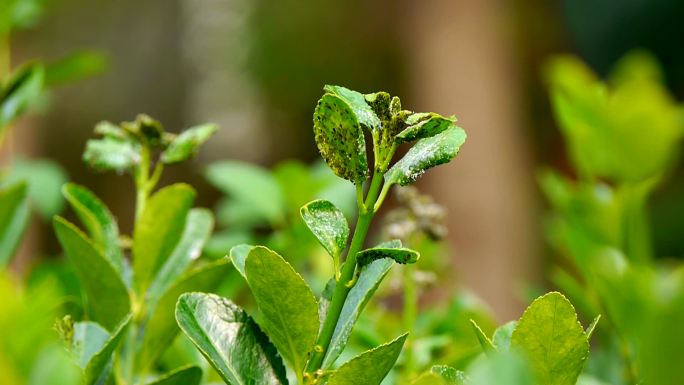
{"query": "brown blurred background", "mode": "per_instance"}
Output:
(257, 68)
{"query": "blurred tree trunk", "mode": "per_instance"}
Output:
(460, 61)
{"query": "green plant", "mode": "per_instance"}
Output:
(623, 136)
(308, 333)
(131, 284)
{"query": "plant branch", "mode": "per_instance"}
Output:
(347, 274)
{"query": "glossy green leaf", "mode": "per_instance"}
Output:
(503, 334)
(371, 367)
(356, 100)
(369, 279)
(98, 221)
(188, 375)
(441, 375)
(423, 125)
(426, 153)
(485, 342)
(289, 308)
(339, 138)
(399, 255)
(160, 329)
(107, 297)
(254, 186)
(14, 215)
(159, 230)
(328, 224)
(19, 92)
(550, 336)
(44, 179)
(186, 144)
(230, 340)
(111, 154)
(198, 226)
(100, 353)
(238, 255)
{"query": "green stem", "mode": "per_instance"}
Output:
(346, 276)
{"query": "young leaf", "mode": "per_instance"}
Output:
(399, 255)
(485, 342)
(99, 222)
(369, 279)
(328, 224)
(592, 326)
(289, 308)
(14, 215)
(441, 375)
(371, 367)
(111, 154)
(22, 89)
(108, 298)
(159, 230)
(339, 138)
(423, 125)
(230, 340)
(254, 186)
(552, 339)
(363, 112)
(198, 226)
(426, 153)
(238, 255)
(160, 329)
(97, 368)
(187, 375)
(502, 335)
(186, 144)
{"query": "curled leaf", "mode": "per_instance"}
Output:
(399, 255)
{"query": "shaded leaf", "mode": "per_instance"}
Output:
(160, 329)
(19, 92)
(441, 375)
(371, 367)
(88, 339)
(14, 215)
(426, 153)
(399, 255)
(552, 339)
(76, 66)
(99, 364)
(328, 224)
(107, 297)
(44, 179)
(485, 342)
(502, 335)
(188, 375)
(198, 226)
(356, 100)
(423, 125)
(340, 139)
(592, 326)
(289, 308)
(238, 255)
(159, 230)
(230, 340)
(186, 144)
(254, 186)
(369, 279)
(98, 221)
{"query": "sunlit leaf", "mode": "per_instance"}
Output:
(369, 368)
